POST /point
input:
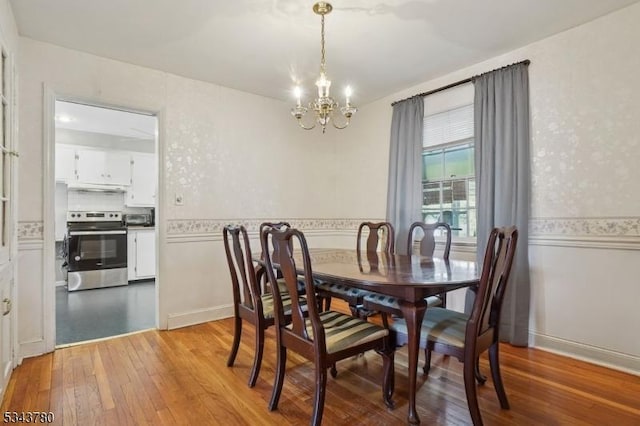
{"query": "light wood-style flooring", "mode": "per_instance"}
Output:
(180, 377)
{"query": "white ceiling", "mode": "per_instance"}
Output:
(264, 46)
(106, 121)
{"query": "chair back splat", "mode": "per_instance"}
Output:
(243, 277)
(485, 314)
(379, 234)
(428, 241)
(282, 243)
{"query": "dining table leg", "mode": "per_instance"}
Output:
(413, 314)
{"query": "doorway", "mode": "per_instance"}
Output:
(106, 183)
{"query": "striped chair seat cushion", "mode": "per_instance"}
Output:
(268, 302)
(343, 331)
(439, 325)
(379, 301)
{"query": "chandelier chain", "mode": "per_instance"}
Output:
(322, 52)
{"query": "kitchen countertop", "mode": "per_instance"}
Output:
(139, 227)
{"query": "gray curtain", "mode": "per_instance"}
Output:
(404, 194)
(501, 108)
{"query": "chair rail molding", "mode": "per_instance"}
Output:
(621, 233)
(190, 230)
(30, 230)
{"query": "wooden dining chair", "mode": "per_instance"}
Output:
(322, 337)
(467, 336)
(380, 236)
(426, 247)
(250, 302)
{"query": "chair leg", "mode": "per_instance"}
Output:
(257, 358)
(237, 332)
(427, 361)
(388, 378)
(481, 378)
(470, 389)
(333, 370)
(281, 361)
(354, 311)
(318, 404)
(385, 319)
(327, 303)
(497, 377)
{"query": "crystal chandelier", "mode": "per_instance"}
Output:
(324, 105)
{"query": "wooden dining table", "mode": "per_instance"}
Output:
(409, 278)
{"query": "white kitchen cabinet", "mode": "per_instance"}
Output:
(65, 163)
(103, 167)
(142, 192)
(141, 254)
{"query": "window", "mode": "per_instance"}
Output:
(448, 176)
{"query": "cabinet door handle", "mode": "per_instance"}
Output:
(7, 304)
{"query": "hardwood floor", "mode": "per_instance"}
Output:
(180, 377)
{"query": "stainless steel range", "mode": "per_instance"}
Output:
(96, 250)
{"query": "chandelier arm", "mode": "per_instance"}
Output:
(346, 124)
(305, 127)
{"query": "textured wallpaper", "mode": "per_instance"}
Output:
(586, 124)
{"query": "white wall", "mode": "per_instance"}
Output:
(233, 156)
(585, 149)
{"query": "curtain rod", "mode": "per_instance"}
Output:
(457, 83)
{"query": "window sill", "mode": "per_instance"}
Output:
(464, 245)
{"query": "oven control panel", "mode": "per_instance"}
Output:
(78, 216)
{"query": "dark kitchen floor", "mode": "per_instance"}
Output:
(104, 312)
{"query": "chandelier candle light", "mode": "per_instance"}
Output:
(324, 105)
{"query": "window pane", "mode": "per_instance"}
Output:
(431, 195)
(431, 216)
(472, 223)
(432, 165)
(472, 192)
(3, 61)
(459, 161)
(459, 190)
(3, 216)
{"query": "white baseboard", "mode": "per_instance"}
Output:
(592, 354)
(199, 316)
(30, 349)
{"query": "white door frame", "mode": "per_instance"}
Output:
(48, 279)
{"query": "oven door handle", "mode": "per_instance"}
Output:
(120, 232)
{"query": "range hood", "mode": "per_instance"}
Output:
(88, 187)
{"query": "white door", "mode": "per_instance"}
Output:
(145, 253)
(6, 329)
(7, 214)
